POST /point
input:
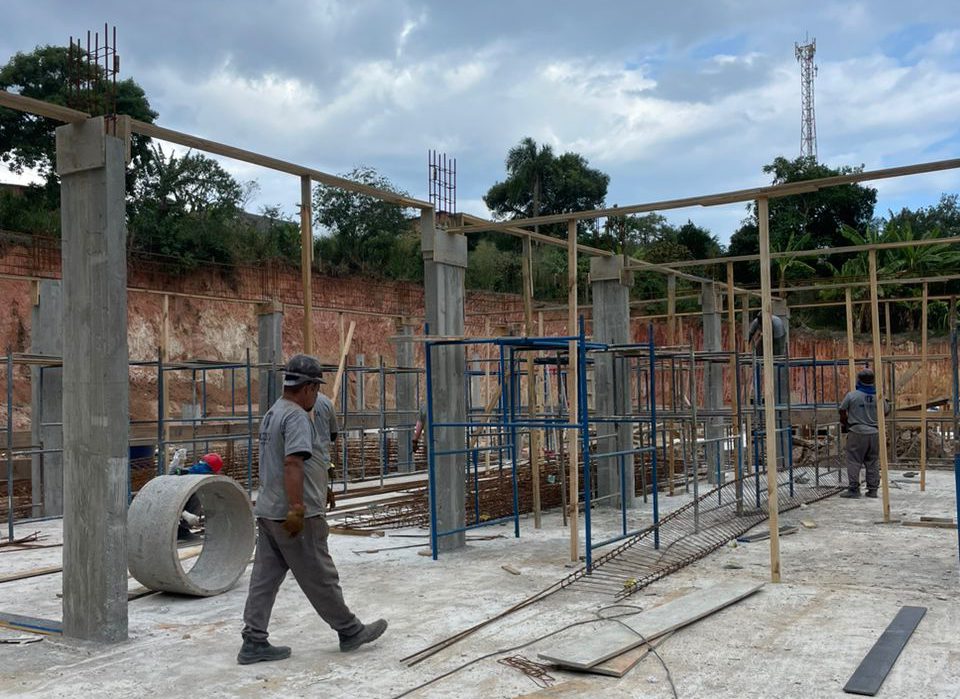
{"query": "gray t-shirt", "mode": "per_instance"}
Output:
(862, 412)
(284, 430)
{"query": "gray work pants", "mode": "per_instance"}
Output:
(863, 450)
(307, 557)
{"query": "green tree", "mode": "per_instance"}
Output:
(538, 181)
(821, 214)
(362, 231)
(27, 141)
(186, 208)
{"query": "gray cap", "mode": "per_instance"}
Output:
(302, 368)
(866, 377)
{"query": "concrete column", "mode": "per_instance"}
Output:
(270, 351)
(96, 412)
(610, 288)
(445, 266)
(46, 338)
(713, 379)
(406, 395)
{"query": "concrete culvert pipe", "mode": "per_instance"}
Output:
(152, 534)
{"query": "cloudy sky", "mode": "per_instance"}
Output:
(669, 98)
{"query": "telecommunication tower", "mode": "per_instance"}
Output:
(808, 122)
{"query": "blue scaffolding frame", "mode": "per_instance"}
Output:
(504, 425)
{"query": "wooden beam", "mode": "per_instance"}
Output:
(735, 196)
(881, 391)
(306, 262)
(672, 309)
(851, 360)
(573, 435)
(343, 361)
(923, 390)
(769, 394)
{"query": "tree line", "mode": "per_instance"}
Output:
(187, 208)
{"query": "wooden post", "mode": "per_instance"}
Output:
(306, 262)
(165, 356)
(672, 309)
(878, 373)
(533, 438)
(851, 352)
(343, 362)
(342, 333)
(769, 395)
(923, 390)
(573, 435)
(734, 368)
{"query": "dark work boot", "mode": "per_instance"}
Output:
(261, 651)
(369, 632)
(851, 493)
(872, 493)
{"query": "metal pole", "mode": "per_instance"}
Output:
(10, 444)
(161, 415)
(653, 440)
(249, 429)
(431, 473)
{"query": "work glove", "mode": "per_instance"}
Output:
(293, 524)
(331, 500)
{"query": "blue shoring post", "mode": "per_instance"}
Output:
(584, 426)
(431, 449)
(514, 384)
(249, 429)
(956, 476)
(476, 486)
(739, 404)
(756, 429)
(653, 431)
(343, 412)
(10, 446)
(504, 387)
(161, 447)
(384, 452)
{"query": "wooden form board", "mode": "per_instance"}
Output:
(592, 646)
(875, 666)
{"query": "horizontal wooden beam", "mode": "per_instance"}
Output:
(736, 196)
(817, 252)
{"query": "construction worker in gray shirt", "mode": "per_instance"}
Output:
(858, 418)
(292, 529)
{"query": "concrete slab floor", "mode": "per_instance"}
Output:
(843, 582)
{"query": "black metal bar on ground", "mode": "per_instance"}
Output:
(873, 669)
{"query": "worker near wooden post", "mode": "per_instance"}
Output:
(858, 418)
(291, 524)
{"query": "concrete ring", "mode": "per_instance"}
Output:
(152, 522)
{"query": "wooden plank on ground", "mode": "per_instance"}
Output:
(931, 525)
(873, 669)
(595, 644)
(17, 622)
(785, 530)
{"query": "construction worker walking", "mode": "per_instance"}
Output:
(858, 417)
(292, 529)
